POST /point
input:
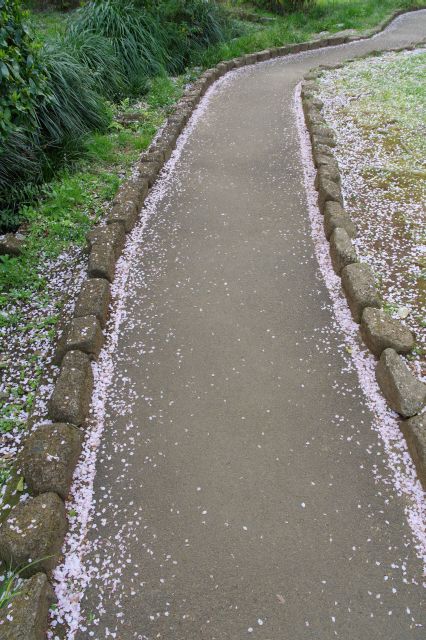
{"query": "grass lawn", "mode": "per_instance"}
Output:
(325, 15)
(377, 107)
(35, 286)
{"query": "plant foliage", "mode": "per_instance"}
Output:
(134, 34)
(74, 108)
(284, 6)
(22, 78)
(49, 102)
(190, 25)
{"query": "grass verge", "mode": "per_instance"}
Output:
(377, 107)
(324, 16)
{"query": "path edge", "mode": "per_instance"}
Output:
(384, 337)
(48, 474)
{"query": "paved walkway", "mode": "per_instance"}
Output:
(234, 492)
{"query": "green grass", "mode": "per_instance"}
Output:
(48, 24)
(325, 15)
(70, 205)
(11, 585)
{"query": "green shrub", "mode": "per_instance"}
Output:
(135, 35)
(49, 102)
(23, 84)
(190, 25)
(96, 53)
(70, 109)
(22, 77)
(74, 108)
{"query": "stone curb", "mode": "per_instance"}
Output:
(414, 431)
(32, 536)
(25, 616)
(49, 457)
(383, 336)
(69, 405)
(70, 401)
(405, 394)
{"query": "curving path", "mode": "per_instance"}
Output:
(235, 493)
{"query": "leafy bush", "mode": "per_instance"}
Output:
(96, 53)
(135, 35)
(48, 104)
(22, 78)
(23, 83)
(74, 107)
(190, 25)
(69, 110)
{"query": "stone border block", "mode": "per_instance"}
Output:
(250, 58)
(149, 170)
(11, 245)
(49, 457)
(164, 149)
(102, 259)
(322, 131)
(70, 401)
(342, 251)
(124, 213)
(312, 105)
(325, 160)
(360, 290)
(33, 534)
(134, 191)
(321, 151)
(85, 334)
(335, 217)
(328, 190)
(222, 68)
(328, 171)
(113, 233)
(314, 120)
(266, 54)
(152, 155)
(322, 141)
(404, 393)
(238, 63)
(94, 299)
(379, 332)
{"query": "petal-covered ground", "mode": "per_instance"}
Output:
(241, 475)
(377, 107)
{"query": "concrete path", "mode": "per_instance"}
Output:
(235, 493)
